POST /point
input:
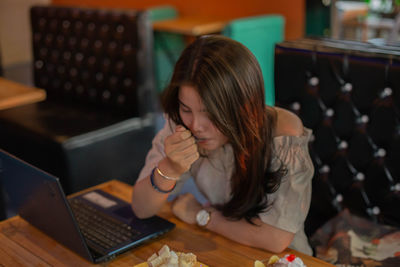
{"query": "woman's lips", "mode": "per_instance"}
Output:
(199, 139)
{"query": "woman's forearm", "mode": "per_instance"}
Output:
(261, 235)
(146, 201)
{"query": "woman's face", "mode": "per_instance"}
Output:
(195, 117)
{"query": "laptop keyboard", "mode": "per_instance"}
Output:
(99, 227)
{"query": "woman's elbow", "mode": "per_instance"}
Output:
(282, 243)
(278, 247)
(141, 212)
(139, 208)
(277, 244)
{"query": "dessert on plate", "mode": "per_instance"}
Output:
(169, 258)
(289, 260)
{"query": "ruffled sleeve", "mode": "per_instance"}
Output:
(291, 202)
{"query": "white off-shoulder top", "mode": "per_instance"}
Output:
(212, 176)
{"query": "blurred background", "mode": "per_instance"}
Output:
(362, 20)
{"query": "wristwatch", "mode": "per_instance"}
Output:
(203, 217)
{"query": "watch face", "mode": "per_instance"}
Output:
(202, 217)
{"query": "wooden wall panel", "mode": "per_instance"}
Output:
(292, 10)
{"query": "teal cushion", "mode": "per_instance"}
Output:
(167, 46)
(260, 34)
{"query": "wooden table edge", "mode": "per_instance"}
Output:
(23, 94)
(190, 26)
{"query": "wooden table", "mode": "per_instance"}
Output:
(13, 94)
(190, 26)
(23, 245)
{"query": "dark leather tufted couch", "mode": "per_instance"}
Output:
(97, 122)
(348, 93)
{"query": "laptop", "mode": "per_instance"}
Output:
(94, 224)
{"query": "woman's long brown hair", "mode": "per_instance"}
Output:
(229, 81)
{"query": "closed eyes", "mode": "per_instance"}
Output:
(186, 109)
(183, 107)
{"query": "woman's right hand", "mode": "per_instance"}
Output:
(181, 152)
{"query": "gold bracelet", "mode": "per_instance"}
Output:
(165, 176)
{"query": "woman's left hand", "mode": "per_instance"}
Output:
(186, 207)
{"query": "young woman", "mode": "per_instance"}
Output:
(249, 160)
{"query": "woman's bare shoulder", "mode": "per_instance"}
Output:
(288, 123)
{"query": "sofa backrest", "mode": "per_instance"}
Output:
(94, 57)
(348, 93)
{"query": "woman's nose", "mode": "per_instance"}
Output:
(196, 124)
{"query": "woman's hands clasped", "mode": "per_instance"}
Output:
(181, 151)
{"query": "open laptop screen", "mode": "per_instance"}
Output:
(41, 201)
